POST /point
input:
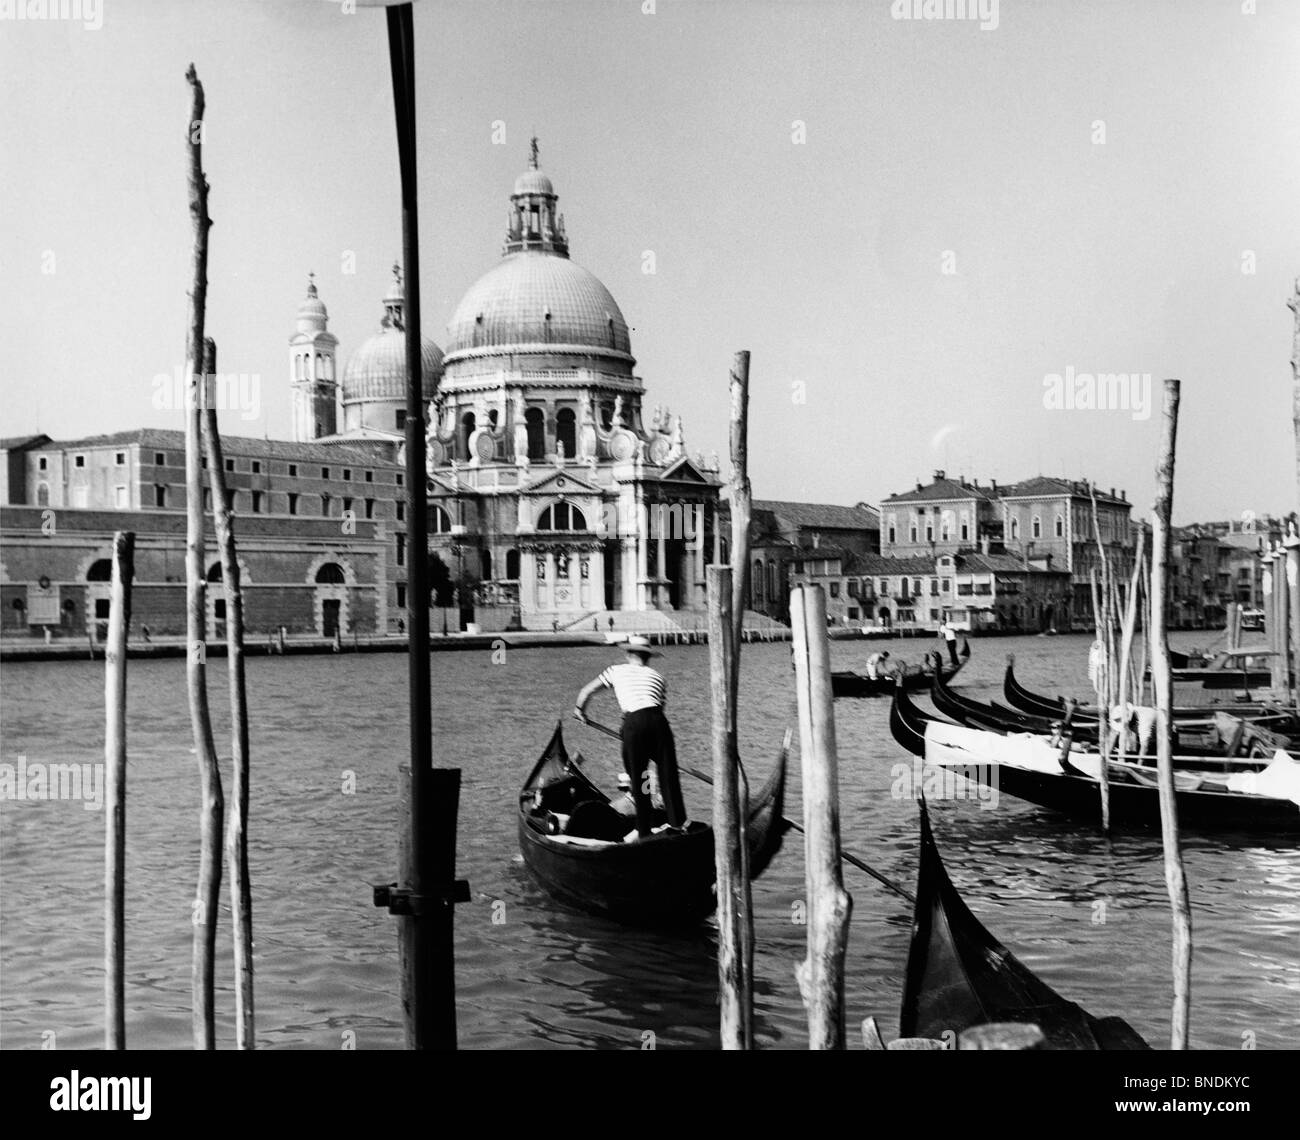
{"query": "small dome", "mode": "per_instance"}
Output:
(533, 182)
(377, 370)
(534, 299)
(311, 312)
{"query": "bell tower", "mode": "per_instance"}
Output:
(312, 375)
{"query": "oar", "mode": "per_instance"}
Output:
(847, 856)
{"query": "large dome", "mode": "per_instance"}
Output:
(377, 370)
(533, 299)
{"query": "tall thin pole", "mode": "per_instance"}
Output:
(1293, 303)
(728, 833)
(119, 622)
(212, 806)
(821, 974)
(428, 982)
(1292, 545)
(1161, 679)
(241, 891)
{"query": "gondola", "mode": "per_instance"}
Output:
(847, 683)
(1029, 768)
(570, 836)
(1234, 745)
(959, 976)
(1054, 707)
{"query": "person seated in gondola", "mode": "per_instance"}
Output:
(881, 665)
(641, 693)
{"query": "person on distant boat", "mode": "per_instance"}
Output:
(879, 665)
(641, 693)
(949, 632)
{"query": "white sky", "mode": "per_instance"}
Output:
(672, 132)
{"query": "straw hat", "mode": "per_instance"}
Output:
(640, 645)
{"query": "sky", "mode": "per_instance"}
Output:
(913, 225)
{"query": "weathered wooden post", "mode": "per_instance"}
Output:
(1294, 305)
(1280, 669)
(1175, 878)
(424, 897)
(119, 622)
(728, 829)
(1101, 686)
(1126, 643)
(1233, 628)
(821, 975)
(241, 894)
(1292, 545)
(212, 808)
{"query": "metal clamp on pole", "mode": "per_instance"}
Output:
(404, 901)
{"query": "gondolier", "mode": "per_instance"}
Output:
(949, 632)
(647, 737)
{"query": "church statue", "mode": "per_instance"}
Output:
(521, 436)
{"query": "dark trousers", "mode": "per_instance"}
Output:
(648, 739)
(952, 651)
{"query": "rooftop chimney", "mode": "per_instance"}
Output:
(938, 475)
(995, 484)
(1112, 492)
(919, 484)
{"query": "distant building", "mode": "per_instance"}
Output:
(981, 591)
(784, 533)
(1031, 520)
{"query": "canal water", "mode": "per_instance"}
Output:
(1090, 917)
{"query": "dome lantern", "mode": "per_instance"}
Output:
(534, 223)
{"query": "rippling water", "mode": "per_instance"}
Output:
(1090, 917)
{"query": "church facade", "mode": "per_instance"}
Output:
(554, 499)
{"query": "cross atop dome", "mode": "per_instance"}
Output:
(534, 225)
(311, 284)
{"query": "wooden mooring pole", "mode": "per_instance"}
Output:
(1281, 669)
(241, 892)
(821, 974)
(119, 623)
(1161, 679)
(1292, 545)
(427, 889)
(212, 806)
(734, 992)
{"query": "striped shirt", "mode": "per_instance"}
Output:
(635, 686)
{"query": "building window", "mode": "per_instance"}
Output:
(853, 587)
(566, 431)
(119, 459)
(934, 587)
(884, 587)
(370, 476)
(401, 479)
(1060, 527)
(512, 565)
(401, 595)
(257, 502)
(756, 580)
(159, 495)
(401, 419)
(324, 472)
(1015, 528)
(347, 504)
(439, 521)
(772, 591)
(534, 421)
(835, 589)
(293, 470)
(120, 498)
(293, 503)
(912, 532)
(79, 461)
(947, 585)
(370, 508)
(916, 587)
(42, 463)
(562, 516)
(207, 498)
(401, 510)
(929, 532)
(257, 466)
(892, 539)
(401, 550)
(854, 613)
(331, 574)
(159, 459)
(1038, 527)
(230, 464)
(965, 532)
(347, 474)
(325, 504)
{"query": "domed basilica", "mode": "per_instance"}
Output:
(551, 493)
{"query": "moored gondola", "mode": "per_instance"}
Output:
(570, 836)
(1032, 769)
(959, 976)
(848, 683)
